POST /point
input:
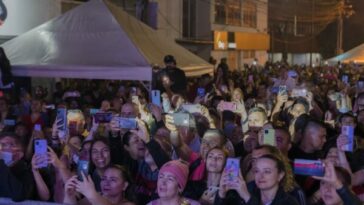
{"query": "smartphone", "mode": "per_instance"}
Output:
(269, 137)
(93, 111)
(201, 92)
(40, 148)
(345, 79)
(192, 108)
(9, 122)
(299, 92)
(37, 127)
(231, 106)
(62, 119)
(181, 119)
(50, 107)
(156, 97)
(282, 90)
(135, 99)
(127, 123)
(349, 132)
(103, 117)
(309, 167)
(232, 168)
(82, 167)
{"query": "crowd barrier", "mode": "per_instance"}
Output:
(7, 201)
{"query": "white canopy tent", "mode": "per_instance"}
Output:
(354, 55)
(96, 40)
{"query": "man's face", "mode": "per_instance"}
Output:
(348, 121)
(283, 140)
(9, 145)
(128, 111)
(361, 118)
(316, 137)
(360, 103)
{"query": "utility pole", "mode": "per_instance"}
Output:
(339, 44)
(346, 10)
(312, 31)
(339, 40)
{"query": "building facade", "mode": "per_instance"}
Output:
(232, 29)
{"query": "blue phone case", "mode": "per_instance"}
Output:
(82, 167)
(40, 148)
(349, 132)
(62, 116)
(156, 97)
(201, 92)
(127, 123)
(9, 122)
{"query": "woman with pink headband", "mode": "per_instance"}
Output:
(172, 180)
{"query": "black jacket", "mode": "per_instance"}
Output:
(16, 182)
(296, 193)
(233, 198)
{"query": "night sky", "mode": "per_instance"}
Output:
(354, 26)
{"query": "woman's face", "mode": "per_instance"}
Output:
(112, 184)
(215, 161)
(256, 120)
(208, 142)
(236, 95)
(297, 110)
(75, 142)
(266, 174)
(167, 186)
(105, 105)
(136, 148)
(100, 155)
(332, 156)
(328, 194)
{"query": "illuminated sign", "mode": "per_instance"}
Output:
(220, 40)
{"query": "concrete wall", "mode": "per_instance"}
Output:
(170, 18)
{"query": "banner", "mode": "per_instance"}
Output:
(19, 16)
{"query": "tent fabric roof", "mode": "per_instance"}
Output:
(154, 46)
(96, 40)
(356, 54)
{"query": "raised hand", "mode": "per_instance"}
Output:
(86, 186)
(330, 176)
(70, 187)
(53, 159)
(36, 160)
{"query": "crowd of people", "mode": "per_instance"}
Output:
(273, 134)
